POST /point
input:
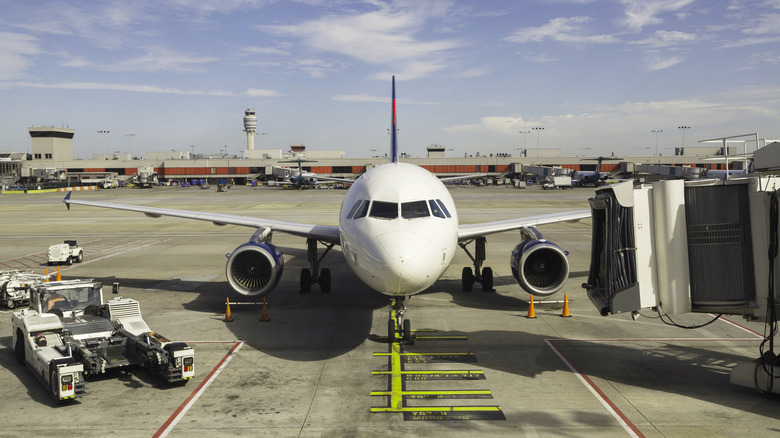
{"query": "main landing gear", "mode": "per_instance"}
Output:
(313, 274)
(397, 324)
(484, 276)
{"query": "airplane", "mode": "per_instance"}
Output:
(590, 177)
(398, 232)
(302, 179)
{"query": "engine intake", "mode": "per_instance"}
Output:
(254, 268)
(540, 267)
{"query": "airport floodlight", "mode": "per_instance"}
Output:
(538, 130)
(683, 129)
(103, 134)
(656, 132)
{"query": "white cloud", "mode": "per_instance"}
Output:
(641, 13)
(15, 52)
(666, 38)
(382, 37)
(656, 62)
(257, 92)
(155, 60)
(562, 29)
(116, 87)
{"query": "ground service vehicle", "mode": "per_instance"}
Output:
(67, 252)
(14, 288)
(557, 182)
(94, 334)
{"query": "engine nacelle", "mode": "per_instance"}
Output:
(540, 267)
(254, 268)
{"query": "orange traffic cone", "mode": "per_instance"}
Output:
(264, 317)
(531, 312)
(228, 315)
(59, 277)
(47, 276)
(565, 312)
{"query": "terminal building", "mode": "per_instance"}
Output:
(52, 150)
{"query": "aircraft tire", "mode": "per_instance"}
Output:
(325, 281)
(467, 279)
(407, 330)
(390, 331)
(487, 279)
(305, 281)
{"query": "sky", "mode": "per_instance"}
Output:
(472, 76)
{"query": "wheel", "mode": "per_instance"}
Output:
(69, 261)
(467, 279)
(54, 386)
(325, 281)
(407, 330)
(80, 257)
(19, 347)
(305, 281)
(390, 331)
(487, 279)
(10, 304)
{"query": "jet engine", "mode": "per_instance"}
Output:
(254, 268)
(540, 267)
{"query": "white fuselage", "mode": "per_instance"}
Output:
(399, 228)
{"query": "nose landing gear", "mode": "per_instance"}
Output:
(397, 325)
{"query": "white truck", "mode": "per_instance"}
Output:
(557, 182)
(93, 334)
(14, 286)
(67, 252)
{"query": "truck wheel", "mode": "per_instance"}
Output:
(80, 257)
(54, 384)
(69, 261)
(19, 347)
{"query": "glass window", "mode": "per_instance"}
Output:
(443, 208)
(384, 210)
(415, 209)
(362, 211)
(435, 209)
(354, 208)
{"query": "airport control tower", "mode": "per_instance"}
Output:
(250, 126)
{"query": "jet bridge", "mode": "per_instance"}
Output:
(697, 246)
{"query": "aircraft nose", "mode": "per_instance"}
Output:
(408, 257)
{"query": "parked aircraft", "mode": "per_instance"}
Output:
(398, 231)
(590, 177)
(302, 179)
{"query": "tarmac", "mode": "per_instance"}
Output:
(480, 369)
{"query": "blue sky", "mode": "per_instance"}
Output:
(598, 76)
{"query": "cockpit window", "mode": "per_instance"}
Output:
(384, 210)
(354, 208)
(436, 210)
(443, 208)
(415, 209)
(362, 211)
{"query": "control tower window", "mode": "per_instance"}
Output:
(384, 210)
(415, 209)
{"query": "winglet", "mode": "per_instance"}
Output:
(394, 131)
(67, 200)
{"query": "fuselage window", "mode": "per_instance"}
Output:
(415, 209)
(362, 211)
(435, 209)
(384, 210)
(443, 208)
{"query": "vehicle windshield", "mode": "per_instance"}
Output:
(70, 299)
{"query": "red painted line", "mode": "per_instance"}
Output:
(728, 321)
(619, 415)
(182, 409)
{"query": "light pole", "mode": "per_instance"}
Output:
(538, 130)
(103, 133)
(525, 137)
(192, 156)
(683, 129)
(656, 132)
(129, 141)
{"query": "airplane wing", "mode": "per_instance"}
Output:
(471, 231)
(325, 233)
(457, 178)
